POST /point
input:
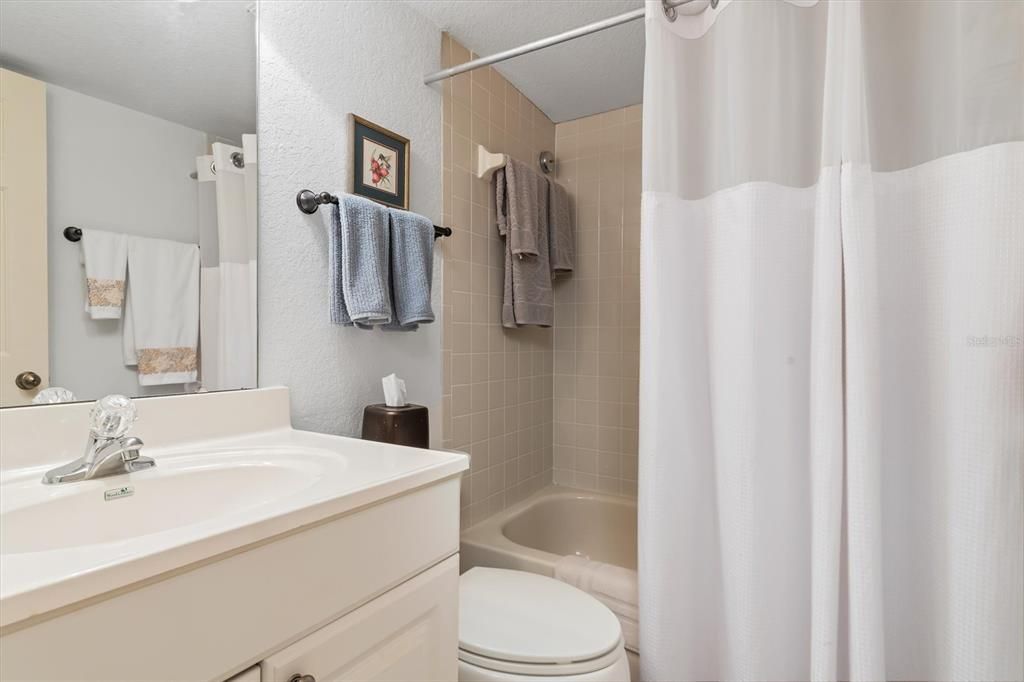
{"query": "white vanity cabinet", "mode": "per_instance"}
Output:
(369, 595)
(409, 633)
(251, 551)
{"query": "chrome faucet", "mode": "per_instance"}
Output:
(108, 452)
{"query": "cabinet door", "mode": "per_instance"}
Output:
(409, 633)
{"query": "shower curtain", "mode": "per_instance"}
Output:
(832, 355)
(227, 310)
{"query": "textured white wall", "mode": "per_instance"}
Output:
(320, 61)
(110, 168)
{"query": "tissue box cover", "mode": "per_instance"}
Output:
(405, 425)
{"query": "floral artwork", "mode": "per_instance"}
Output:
(380, 164)
(379, 168)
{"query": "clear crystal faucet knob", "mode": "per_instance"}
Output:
(112, 416)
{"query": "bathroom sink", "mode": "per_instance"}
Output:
(182, 491)
(206, 497)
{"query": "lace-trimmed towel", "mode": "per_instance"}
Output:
(105, 256)
(161, 326)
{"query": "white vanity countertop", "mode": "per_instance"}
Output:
(62, 544)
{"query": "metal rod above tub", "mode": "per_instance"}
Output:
(668, 6)
(309, 201)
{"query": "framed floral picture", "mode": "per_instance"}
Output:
(381, 160)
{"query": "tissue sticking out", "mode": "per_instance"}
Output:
(394, 391)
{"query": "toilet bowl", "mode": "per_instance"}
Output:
(519, 626)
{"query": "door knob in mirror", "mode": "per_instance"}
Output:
(27, 381)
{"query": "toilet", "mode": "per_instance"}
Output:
(519, 626)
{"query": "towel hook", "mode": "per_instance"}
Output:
(547, 162)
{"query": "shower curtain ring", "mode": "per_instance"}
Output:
(669, 10)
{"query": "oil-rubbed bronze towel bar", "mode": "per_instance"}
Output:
(309, 201)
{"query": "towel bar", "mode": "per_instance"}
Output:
(309, 201)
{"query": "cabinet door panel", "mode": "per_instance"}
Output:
(407, 634)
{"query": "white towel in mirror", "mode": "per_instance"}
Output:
(105, 256)
(161, 330)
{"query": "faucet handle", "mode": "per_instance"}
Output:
(112, 416)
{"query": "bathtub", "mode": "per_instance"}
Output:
(555, 522)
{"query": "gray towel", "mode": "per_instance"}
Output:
(561, 230)
(412, 270)
(519, 192)
(360, 244)
(522, 211)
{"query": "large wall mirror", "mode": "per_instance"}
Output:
(128, 198)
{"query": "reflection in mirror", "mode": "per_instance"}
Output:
(128, 200)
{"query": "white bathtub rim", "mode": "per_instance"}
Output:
(487, 536)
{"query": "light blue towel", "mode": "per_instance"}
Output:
(412, 269)
(339, 313)
(360, 251)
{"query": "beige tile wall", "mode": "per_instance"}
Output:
(497, 401)
(597, 312)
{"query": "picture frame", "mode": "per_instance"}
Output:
(380, 164)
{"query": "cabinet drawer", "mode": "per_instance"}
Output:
(407, 634)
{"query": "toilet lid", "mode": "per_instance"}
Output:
(524, 617)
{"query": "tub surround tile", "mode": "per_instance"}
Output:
(535, 406)
(597, 336)
(499, 386)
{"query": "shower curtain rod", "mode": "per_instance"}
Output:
(668, 6)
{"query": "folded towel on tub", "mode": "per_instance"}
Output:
(613, 586)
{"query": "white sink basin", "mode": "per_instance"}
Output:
(180, 491)
(223, 485)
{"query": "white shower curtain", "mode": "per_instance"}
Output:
(832, 356)
(227, 324)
